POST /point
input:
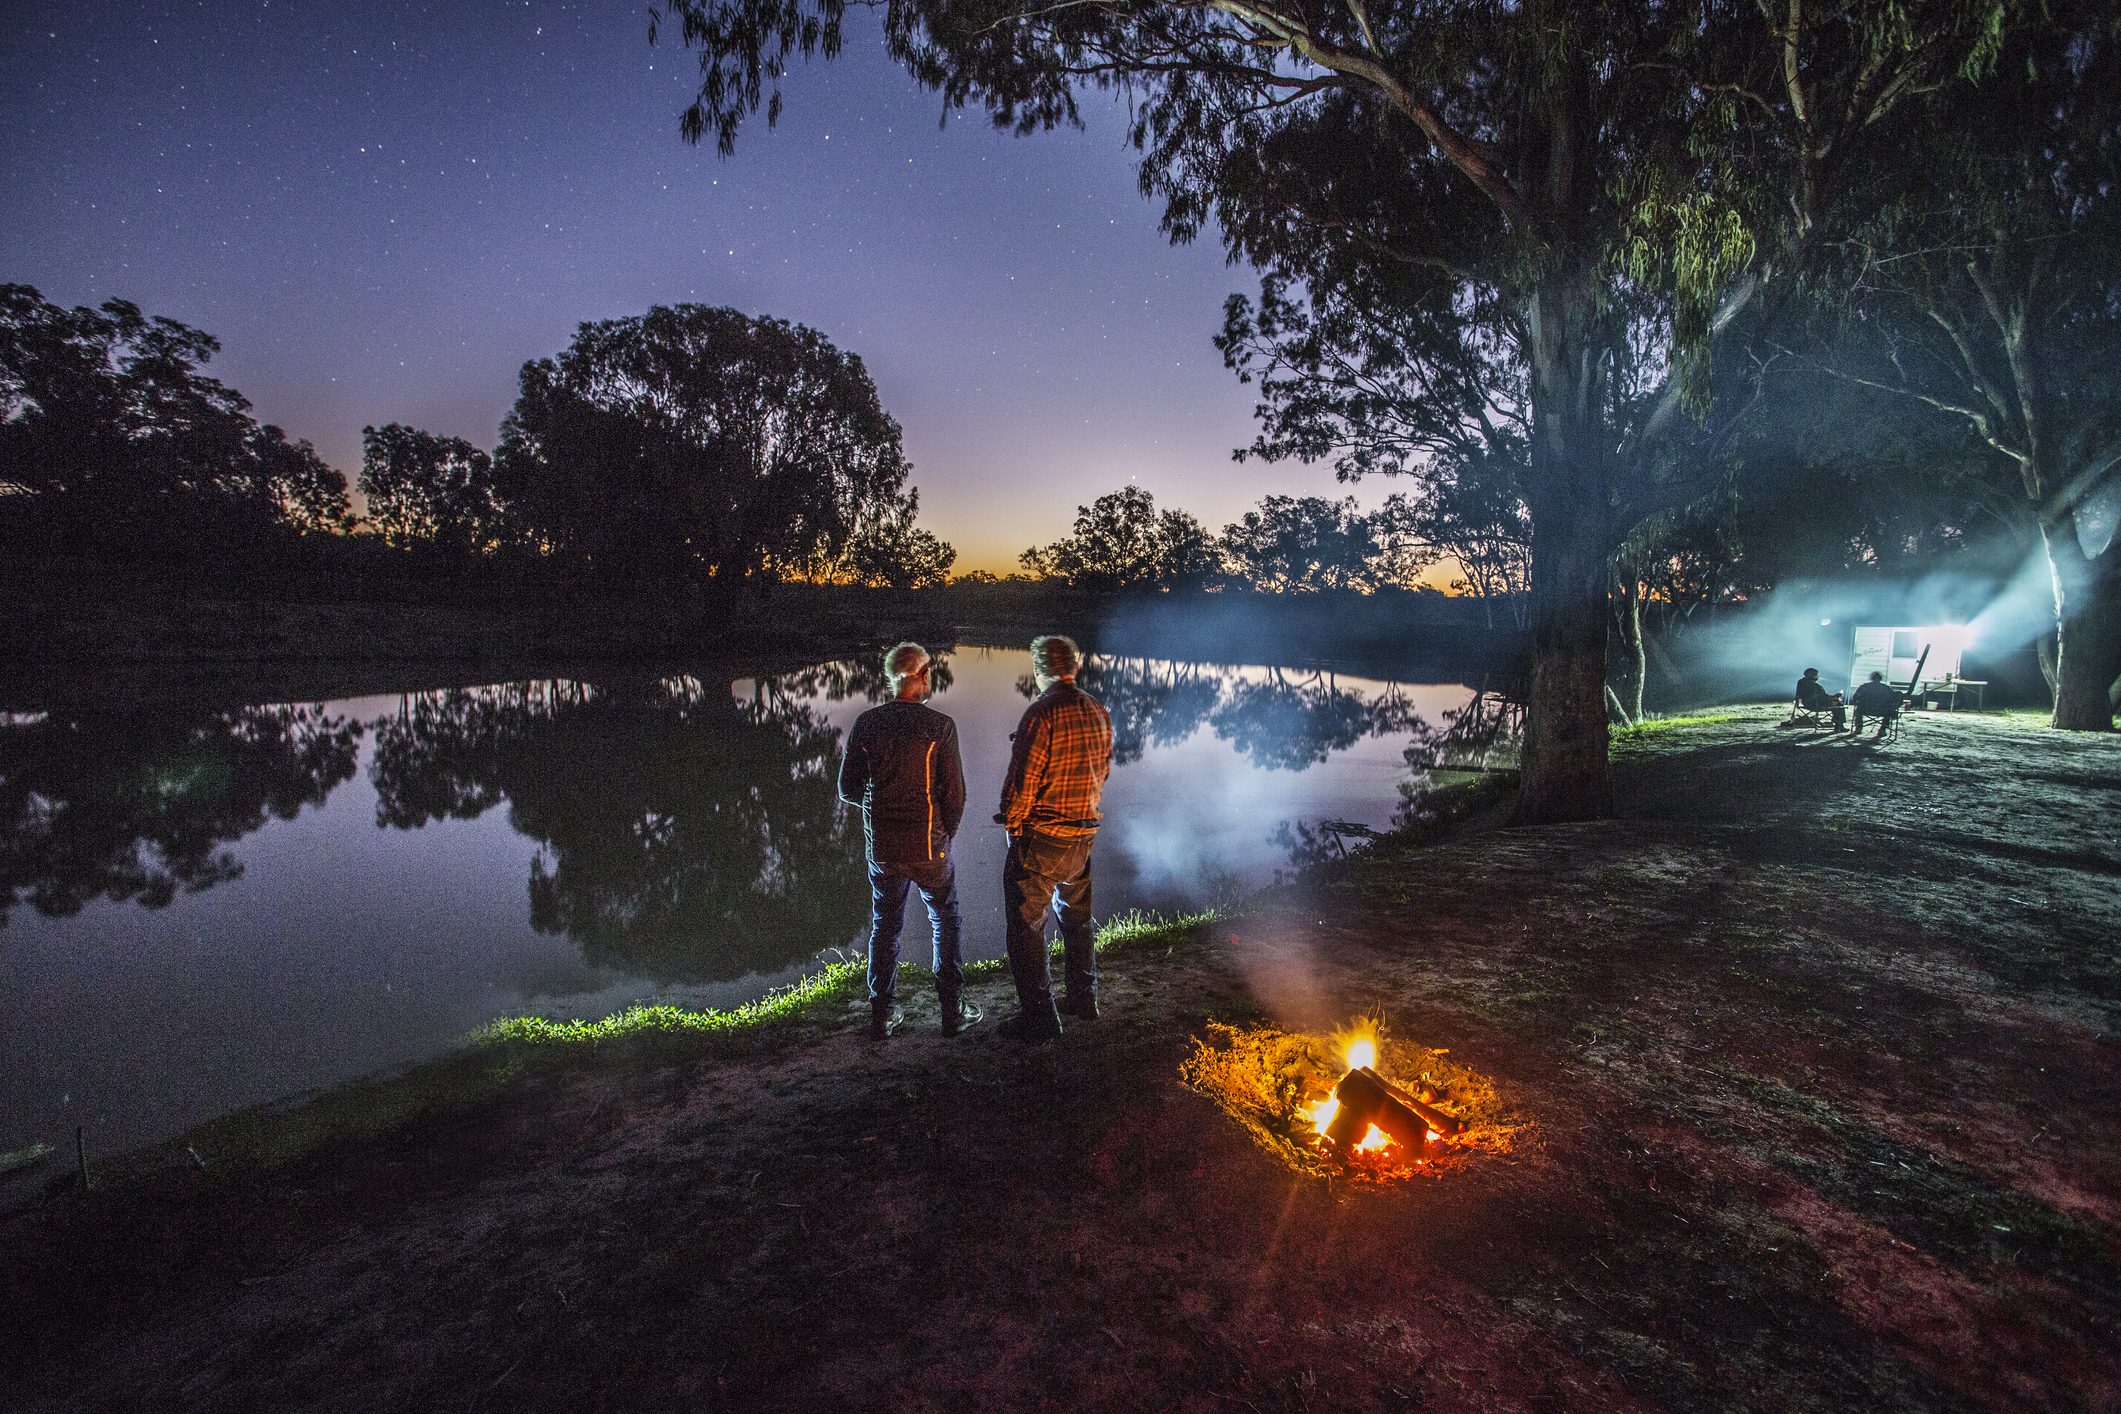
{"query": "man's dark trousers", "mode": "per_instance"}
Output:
(937, 881)
(1043, 872)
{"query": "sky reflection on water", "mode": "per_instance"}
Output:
(202, 909)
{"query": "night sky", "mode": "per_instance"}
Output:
(382, 209)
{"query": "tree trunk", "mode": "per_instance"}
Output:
(2087, 630)
(1634, 660)
(1566, 737)
(1565, 733)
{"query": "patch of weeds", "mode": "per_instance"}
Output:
(1945, 1207)
(1140, 930)
(828, 990)
(824, 993)
(1648, 729)
(1265, 1080)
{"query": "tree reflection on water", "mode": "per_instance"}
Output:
(1293, 719)
(1151, 701)
(121, 804)
(1479, 738)
(1288, 719)
(686, 835)
(1289, 725)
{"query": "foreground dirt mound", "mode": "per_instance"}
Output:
(1815, 1053)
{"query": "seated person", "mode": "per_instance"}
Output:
(1813, 697)
(1875, 699)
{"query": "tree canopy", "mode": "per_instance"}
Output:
(700, 442)
(1983, 284)
(424, 489)
(1122, 542)
(1301, 543)
(112, 438)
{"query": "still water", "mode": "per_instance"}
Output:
(207, 908)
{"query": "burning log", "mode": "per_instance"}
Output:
(1447, 1125)
(1365, 1098)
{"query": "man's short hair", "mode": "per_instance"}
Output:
(1055, 656)
(1877, 677)
(1811, 672)
(904, 661)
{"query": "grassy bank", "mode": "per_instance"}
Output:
(524, 1050)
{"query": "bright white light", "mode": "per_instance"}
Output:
(1823, 623)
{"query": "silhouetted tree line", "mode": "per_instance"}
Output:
(115, 442)
(686, 446)
(1301, 544)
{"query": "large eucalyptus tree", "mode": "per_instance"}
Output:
(1564, 160)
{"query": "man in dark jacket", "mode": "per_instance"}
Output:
(1875, 699)
(1061, 755)
(902, 768)
(1812, 696)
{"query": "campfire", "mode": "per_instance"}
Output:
(1367, 1113)
(1353, 1103)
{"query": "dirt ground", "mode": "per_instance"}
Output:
(1815, 1053)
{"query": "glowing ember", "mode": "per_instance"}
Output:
(1374, 1140)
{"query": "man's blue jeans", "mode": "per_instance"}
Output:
(888, 883)
(1044, 873)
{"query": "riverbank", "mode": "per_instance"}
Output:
(1811, 1059)
(190, 647)
(60, 645)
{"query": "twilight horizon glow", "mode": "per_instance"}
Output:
(382, 212)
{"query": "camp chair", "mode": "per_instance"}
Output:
(1803, 716)
(1890, 731)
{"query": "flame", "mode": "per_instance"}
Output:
(1374, 1140)
(1322, 1113)
(1360, 1040)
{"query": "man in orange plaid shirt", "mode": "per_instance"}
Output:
(1061, 755)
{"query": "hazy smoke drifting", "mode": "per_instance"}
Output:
(1759, 651)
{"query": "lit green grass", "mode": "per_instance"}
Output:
(832, 986)
(1651, 726)
(831, 989)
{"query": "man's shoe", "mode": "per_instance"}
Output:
(1030, 1026)
(884, 1023)
(957, 1018)
(1081, 1008)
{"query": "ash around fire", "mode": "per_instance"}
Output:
(1356, 1104)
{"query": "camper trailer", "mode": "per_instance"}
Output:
(1901, 652)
